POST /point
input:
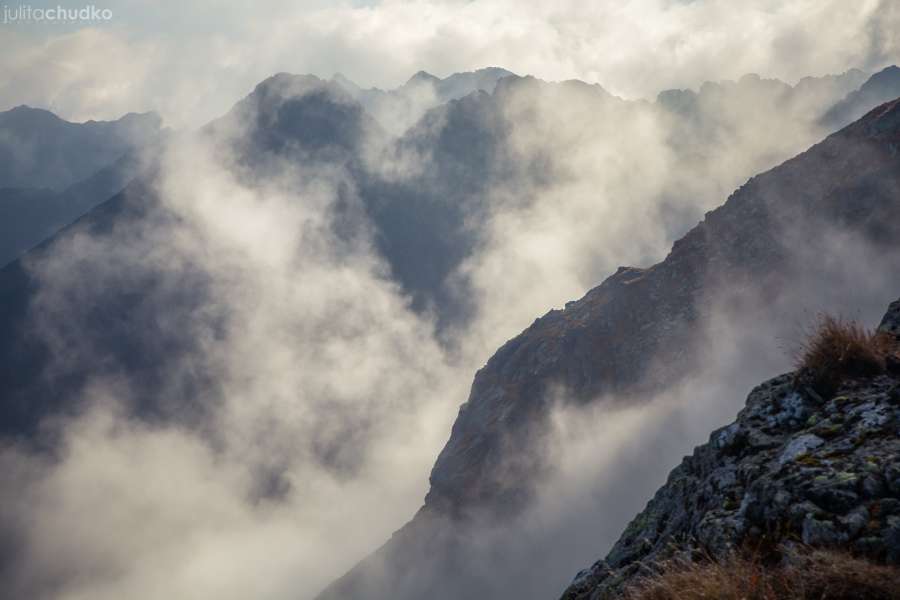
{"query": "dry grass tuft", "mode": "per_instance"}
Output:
(817, 575)
(838, 349)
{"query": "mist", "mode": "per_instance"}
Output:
(330, 397)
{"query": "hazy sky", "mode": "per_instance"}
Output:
(191, 60)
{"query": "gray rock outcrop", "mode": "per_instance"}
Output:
(793, 467)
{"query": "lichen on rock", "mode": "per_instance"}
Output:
(792, 468)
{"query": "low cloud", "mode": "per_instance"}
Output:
(331, 399)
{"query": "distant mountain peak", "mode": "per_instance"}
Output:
(422, 77)
(31, 115)
(485, 79)
(494, 72)
(24, 108)
(880, 87)
(348, 84)
(66, 152)
(288, 113)
(888, 79)
(23, 111)
(287, 84)
(890, 71)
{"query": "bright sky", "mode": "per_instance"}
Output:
(191, 60)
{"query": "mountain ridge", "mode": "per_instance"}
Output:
(40, 149)
(880, 87)
(641, 321)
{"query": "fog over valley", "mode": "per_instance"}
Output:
(360, 300)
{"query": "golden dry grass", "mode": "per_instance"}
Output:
(818, 575)
(837, 349)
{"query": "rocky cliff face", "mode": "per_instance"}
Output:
(607, 341)
(776, 237)
(793, 467)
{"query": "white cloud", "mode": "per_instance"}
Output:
(331, 400)
(191, 60)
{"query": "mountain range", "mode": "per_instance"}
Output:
(794, 231)
(422, 173)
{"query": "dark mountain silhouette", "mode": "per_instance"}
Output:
(117, 327)
(426, 222)
(879, 88)
(29, 216)
(782, 236)
(418, 222)
(40, 150)
(296, 116)
(53, 171)
(122, 328)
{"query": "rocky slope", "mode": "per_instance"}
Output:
(607, 341)
(793, 467)
(785, 235)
